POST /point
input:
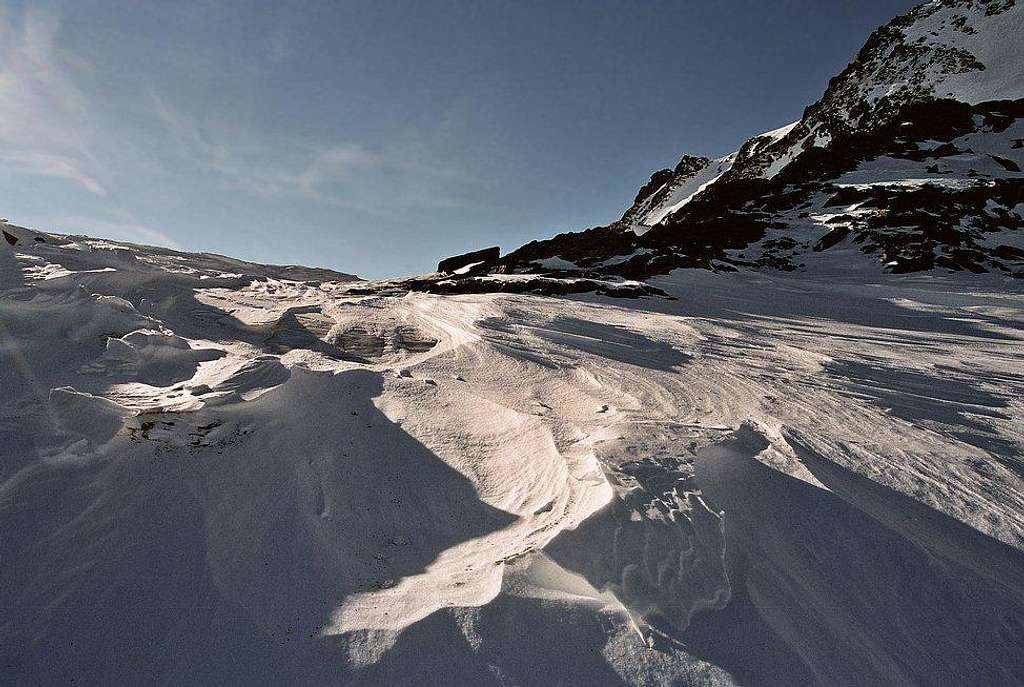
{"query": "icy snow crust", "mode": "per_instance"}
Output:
(235, 477)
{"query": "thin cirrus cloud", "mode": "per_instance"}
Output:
(55, 165)
(142, 148)
(44, 121)
(384, 182)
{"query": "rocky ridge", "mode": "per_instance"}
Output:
(911, 160)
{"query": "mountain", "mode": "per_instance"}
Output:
(670, 190)
(911, 160)
(200, 266)
(799, 465)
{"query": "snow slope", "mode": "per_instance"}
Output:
(690, 177)
(249, 478)
(966, 50)
(684, 192)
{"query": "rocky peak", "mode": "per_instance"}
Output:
(663, 185)
(966, 50)
(690, 165)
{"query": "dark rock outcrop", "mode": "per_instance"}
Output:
(488, 257)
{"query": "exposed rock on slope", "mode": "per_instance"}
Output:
(467, 262)
(665, 186)
(911, 160)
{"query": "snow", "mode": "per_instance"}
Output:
(996, 41)
(248, 478)
(939, 36)
(556, 263)
(466, 269)
(776, 134)
(618, 259)
(782, 161)
(971, 52)
(682, 193)
(685, 192)
(683, 189)
(851, 180)
(972, 166)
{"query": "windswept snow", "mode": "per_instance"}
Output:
(219, 472)
(250, 478)
(775, 134)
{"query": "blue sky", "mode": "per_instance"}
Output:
(377, 137)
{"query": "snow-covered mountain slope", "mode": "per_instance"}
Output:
(911, 160)
(964, 50)
(670, 189)
(246, 478)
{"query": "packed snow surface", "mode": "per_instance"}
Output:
(239, 477)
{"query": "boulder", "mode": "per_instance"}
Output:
(486, 256)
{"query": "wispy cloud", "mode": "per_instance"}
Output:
(384, 181)
(147, 142)
(335, 164)
(42, 163)
(45, 119)
(314, 176)
(183, 129)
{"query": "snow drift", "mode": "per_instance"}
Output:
(251, 478)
